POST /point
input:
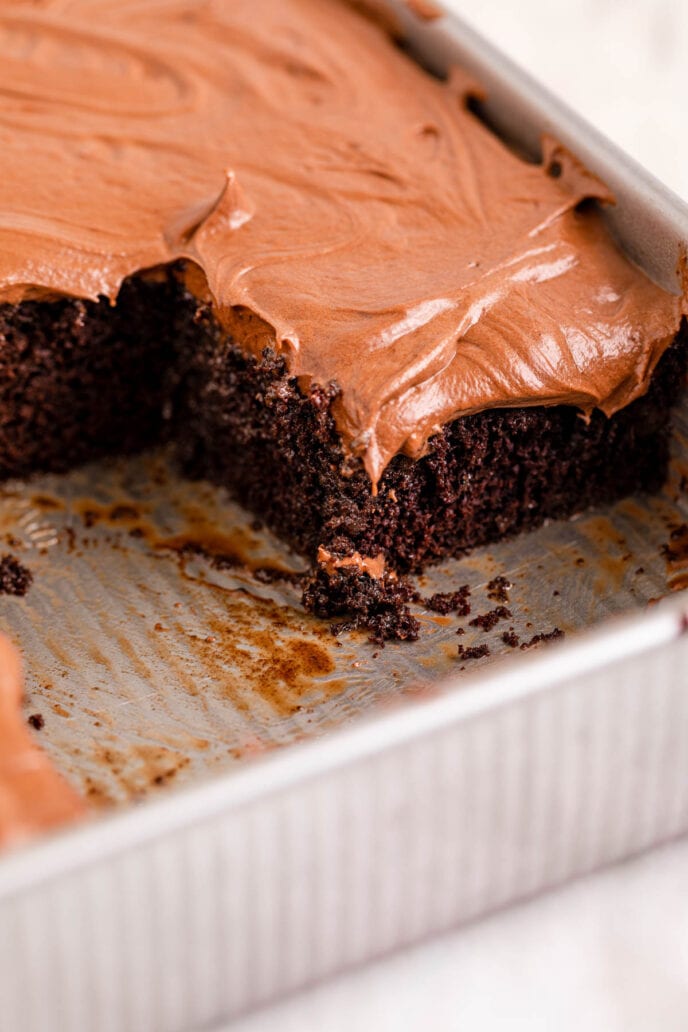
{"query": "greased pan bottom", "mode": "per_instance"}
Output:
(160, 650)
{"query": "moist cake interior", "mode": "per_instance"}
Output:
(82, 379)
(262, 233)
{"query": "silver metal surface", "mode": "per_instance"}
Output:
(151, 668)
(396, 810)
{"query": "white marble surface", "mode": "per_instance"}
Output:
(609, 953)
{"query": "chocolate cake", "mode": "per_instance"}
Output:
(262, 232)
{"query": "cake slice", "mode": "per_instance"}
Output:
(262, 231)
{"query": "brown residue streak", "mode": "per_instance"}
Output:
(60, 710)
(632, 510)
(96, 792)
(675, 552)
(245, 661)
(200, 528)
(247, 648)
(284, 672)
(56, 649)
(136, 770)
(121, 514)
(46, 503)
(209, 543)
(94, 653)
(612, 554)
(125, 645)
(602, 532)
(439, 621)
(235, 547)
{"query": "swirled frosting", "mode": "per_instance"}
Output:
(385, 238)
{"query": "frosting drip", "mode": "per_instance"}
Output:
(321, 180)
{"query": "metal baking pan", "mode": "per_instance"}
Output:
(306, 804)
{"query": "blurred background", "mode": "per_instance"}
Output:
(623, 64)
(611, 952)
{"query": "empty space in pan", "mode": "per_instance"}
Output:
(163, 643)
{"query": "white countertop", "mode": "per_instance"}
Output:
(611, 952)
(620, 63)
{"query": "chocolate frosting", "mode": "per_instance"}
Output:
(381, 235)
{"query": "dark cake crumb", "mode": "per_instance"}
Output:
(498, 588)
(375, 604)
(15, 579)
(82, 379)
(444, 602)
(219, 561)
(486, 621)
(511, 639)
(476, 652)
(278, 450)
(460, 630)
(539, 639)
(123, 512)
(37, 721)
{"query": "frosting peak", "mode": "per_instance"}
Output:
(323, 181)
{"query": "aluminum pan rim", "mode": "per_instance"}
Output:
(460, 700)
(457, 699)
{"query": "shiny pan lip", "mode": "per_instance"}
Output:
(451, 804)
(485, 694)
